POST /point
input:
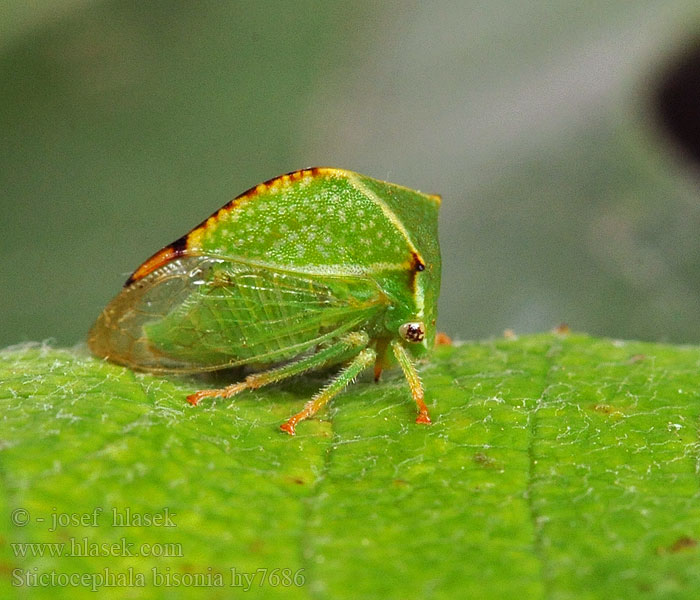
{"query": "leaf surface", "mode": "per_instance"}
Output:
(556, 467)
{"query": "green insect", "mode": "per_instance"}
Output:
(312, 269)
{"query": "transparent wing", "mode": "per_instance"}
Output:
(203, 313)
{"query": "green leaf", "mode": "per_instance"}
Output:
(556, 467)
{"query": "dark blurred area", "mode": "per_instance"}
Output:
(678, 100)
(564, 140)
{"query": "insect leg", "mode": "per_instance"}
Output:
(363, 360)
(379, 364)
(353, 341)
(414, 382)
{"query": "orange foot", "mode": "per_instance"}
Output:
(423, 419)
(288, 427)
(442, 339)
(194, 399)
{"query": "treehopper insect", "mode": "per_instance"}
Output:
(317, 268)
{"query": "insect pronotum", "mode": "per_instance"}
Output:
(317, 268)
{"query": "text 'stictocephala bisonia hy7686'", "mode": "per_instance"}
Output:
(316, 268)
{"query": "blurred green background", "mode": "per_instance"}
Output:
(123, 124)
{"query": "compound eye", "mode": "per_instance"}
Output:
(412, 332)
